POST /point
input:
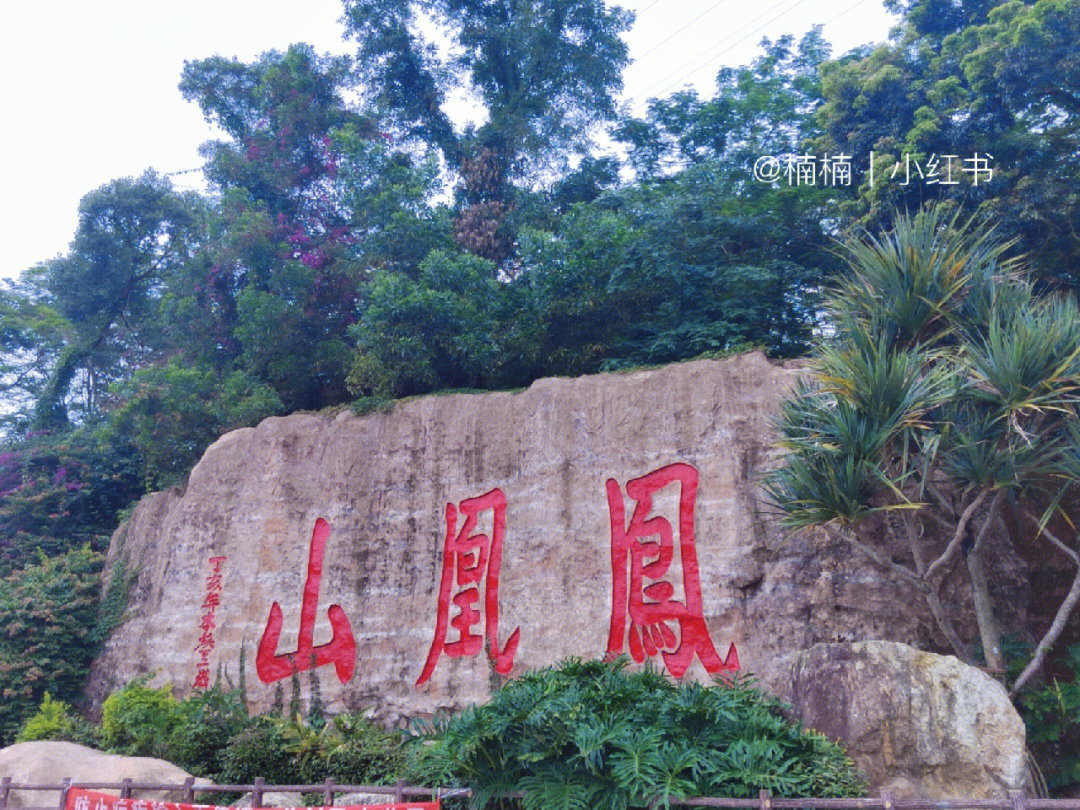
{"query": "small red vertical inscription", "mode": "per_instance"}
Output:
(205, 645)
(469, 559)
(642, 552)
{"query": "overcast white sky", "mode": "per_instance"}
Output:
(90, 89)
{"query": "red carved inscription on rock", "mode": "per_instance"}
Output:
(210, 605)
(339, 651)
(642, 552)
(469, 559)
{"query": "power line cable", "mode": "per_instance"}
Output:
(680, 70)
(845, 11)
(679, 31)
(715, 55)
(653, 92)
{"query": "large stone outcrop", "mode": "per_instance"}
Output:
(920, 725)
(47, 762)
(561, 454)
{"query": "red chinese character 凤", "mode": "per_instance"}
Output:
(467, 557)
(638, 565)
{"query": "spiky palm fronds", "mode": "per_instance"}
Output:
(905, 284)
(857, 430)
(947, 383)
(943, 359)
(1027, 362)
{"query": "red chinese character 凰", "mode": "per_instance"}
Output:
(638, 565)
(467, 557)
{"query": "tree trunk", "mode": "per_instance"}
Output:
(989, 632)
(1060, 619)
(913, 532)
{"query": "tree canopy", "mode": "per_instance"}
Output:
(542, 74)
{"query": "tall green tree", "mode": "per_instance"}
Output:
(963, 80)
(277, 287)
(133, 234)
(543, 73)
(314, 200)
(765, 108)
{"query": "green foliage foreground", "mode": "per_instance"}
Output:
(211, 734)
(593, 735)
(1052, 717)
(581, 735)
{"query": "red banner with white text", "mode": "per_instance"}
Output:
(78, 799)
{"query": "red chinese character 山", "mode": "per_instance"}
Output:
(470, 558)
(641, 555)
(340, 650)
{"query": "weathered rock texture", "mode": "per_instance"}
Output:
(920, 725)
(384, 482)
(46, 763)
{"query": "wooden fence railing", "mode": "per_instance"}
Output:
(398, 793)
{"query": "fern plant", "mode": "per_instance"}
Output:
(594, 735)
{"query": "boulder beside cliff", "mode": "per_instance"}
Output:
(920, 725)
(47, 762)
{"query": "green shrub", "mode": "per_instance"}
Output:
(138, 720)
(349, 749)
(258, 750)
(365, 753)
(1052, 718)
(592, 735)
(205, 723)
(54, 721)
(48, 633)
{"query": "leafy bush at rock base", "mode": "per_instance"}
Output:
(1052, 717)
(138, 720)
(54, 721)
(593, 735)
(206, 721)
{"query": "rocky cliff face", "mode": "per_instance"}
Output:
(417, 556)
